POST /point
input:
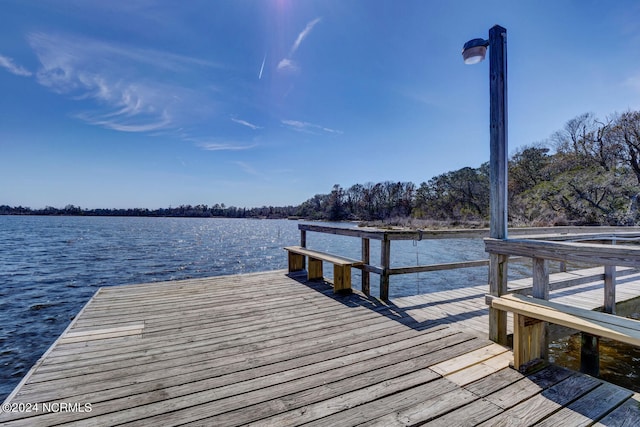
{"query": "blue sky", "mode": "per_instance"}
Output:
(143, 103)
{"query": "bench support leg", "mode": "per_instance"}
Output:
(315, 269)
(528, 340)
(341, 278)
(589, 354)
(296, 262)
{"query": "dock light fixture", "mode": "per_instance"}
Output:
(474, 52)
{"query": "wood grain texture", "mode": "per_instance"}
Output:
(274, 349)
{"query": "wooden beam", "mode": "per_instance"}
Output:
(498, 278)
(589, 354)
(540, 278)
(439, 267)
(610, 289)
(385, 261)
(366, 259)
(591, 253)
(540, 290)
(498, 125)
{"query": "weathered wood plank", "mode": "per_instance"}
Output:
(467, 416)
(528, 386)
(592, 253)
(626, 415)
(76, 335)
(455, 364)
(439, 267)
(592, 406)
(481, 370)
(400, 410)
(547, 402)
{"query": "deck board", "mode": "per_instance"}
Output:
(272, 349)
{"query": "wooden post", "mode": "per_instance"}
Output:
(303, 243)
(498, 161)
(610, 289)
(296, 262)
(541, 290)
(385, 262)
(341, 278)
(498, 265)
(589, 354)
(366, 258)
(590, 344)
(314, 271)
(498, 153)
(527, 336)
(540, 278)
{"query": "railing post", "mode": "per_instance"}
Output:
(498, 266)
(541, 290)
(366, 258)
(540, 278)
(610, 286)
(385, 262)
(303, 243)
(610, 289)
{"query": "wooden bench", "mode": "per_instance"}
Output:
(528, 327)
(341, 266)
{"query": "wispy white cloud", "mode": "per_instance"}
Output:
(217, 146)
(9, 65)
(288, 64)
(309, 127)
(246, 123)
(132, 88)
(116, 122)
(303, 35)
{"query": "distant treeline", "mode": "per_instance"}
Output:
(586, 173)
(198, 211)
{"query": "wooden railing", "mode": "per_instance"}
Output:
(580, 249)
(384, 268)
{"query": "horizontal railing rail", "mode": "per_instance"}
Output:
(385, 236)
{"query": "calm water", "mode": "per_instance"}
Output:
(51, 266)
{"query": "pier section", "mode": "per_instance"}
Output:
(272, 349)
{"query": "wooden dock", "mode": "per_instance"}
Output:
(267, 349)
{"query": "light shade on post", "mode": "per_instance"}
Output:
(474, 51)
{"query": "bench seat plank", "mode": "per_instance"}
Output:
(334, 259)
(592, 322)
